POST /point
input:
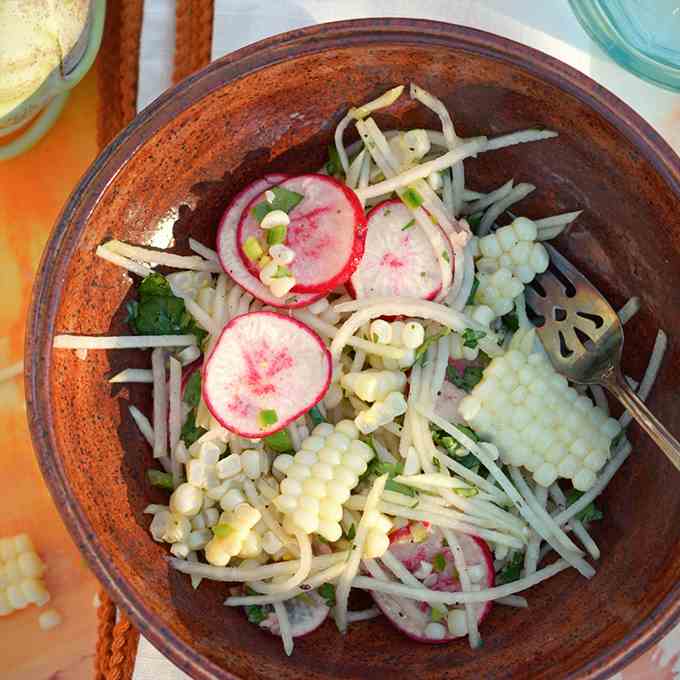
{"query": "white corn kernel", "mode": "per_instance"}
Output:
(307, 521)
(251, 546)
(348, 428)
(376, 545)
(489, 246)
(525, 229)
(186, 499)
(275, 218)
(435, 631)
(507, 238)
(539, 259)
(231, 500)
(49, 619)
(457, 623)
(583, 479)
(282, 462)
(434, 179)
(299, 472)
(30, 565)
(250, 461)
(270, 543)
(331, 531)
(229, 466)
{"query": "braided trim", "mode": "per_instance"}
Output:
(193, 36)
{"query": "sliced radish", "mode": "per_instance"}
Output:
(227, 249)
(411, 617)
(327, 231)
(306, 613)
(398, 258)
(448, 399)
(264, 362)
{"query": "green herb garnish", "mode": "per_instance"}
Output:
(408, 225)
(445, 255)
(284, 199)
(591, 513)
(256, 613)
(190, 431)
(412, 198)
(327, 591)
(280, 441)
(474, 221)
(316, 416)
(471, 337)
(471, 376)
(377, 468)
(439, 562)
(471, 297)
(333, 165)
(422, 349)
(159, 312)
(512, 570)
(510, 322)
(160, 479)
(192, 390)
(351, 533)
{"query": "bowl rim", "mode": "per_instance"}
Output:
(75, 215)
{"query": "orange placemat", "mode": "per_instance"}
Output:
(33, 189)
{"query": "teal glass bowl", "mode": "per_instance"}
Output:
(643, 36)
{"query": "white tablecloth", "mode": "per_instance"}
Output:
(547, 26)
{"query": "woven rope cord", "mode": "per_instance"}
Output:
(193, 36)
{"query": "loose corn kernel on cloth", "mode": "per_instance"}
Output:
(176, 39)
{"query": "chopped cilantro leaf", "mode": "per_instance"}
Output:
(351, 532)
(256, 613)
(474, 221)
(284, 199)
(471, 337)
(160, 479)
(190, 431)
(445, 255)
(471, 297)
(471, 376)
(316, 416)
(333, 165)
(591, 513)
(512, 570)
(510, 322)
(327, 591)
(439, 562)
(159, 312)
(192, 390)
(422, 349)
(280, 441)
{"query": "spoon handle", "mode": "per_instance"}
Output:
(663, 438)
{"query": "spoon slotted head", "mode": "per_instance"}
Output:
(583, 336)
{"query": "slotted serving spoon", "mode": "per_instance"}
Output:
(584, 339)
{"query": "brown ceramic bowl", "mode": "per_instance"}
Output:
(273, 106)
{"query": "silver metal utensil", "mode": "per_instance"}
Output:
(583, 337)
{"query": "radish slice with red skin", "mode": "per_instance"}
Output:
(327, 231)
(264, 361)
(398, 257)
(227, 249)
(412, 620)
(306, 613)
